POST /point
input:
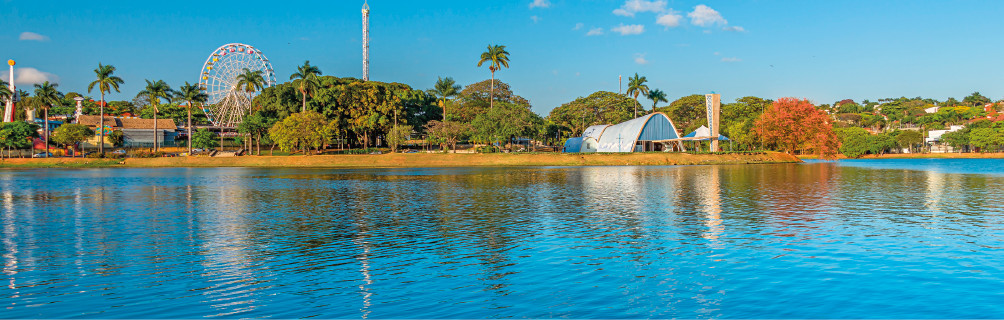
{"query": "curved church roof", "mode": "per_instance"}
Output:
(595, 131)
(623, 137)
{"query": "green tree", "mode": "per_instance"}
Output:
(251, 81)
(637, 86)
(19, 134)
(191, 93)
(4, 90)
(203, 139)
(46, 96)
(853, 141)
(879, 144)
(155, 91)
(397, 136)
(70, 135)
(444, 90)
(497, 57)
(256, 126)
(301, 131)
(958, 140)
(117, 138)
(984, 138)
(657, 96)
(507, 122)
(909, 138)
(447, 133)
(308, 76)
(688, 113)
(106, 82)
(739, 118)
(976, 100)
(601, 107)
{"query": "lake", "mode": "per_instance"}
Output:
(854, 239)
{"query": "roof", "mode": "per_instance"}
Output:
(127, 123)
(622, 137)
(573, 144)
(704, 132)
(595, 131)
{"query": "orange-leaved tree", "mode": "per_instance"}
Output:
(796, 125)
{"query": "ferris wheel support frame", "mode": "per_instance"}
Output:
(227, 105)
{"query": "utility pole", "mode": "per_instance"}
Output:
(366, 41)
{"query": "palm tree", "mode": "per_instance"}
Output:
(657, 96)
(308, 75)
(106, 82)
(499, 58)
(445, 89)
(46, 96)
(155, 91)
(251, 81)
(637, 86)
(4, 90)
(190, 93)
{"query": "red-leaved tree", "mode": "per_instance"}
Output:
(796, 125)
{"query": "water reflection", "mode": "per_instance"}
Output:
(594, 242)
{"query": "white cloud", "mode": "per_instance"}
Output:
(705, 16)
(707, 31)
(639, 58)
(628, 29)
(669, 19)
(28, 76)
(577, 74)
(535, 19)
(555, 72)
(33, 36)
(716, 53)
(540, 4)
(595, 32)
(631, 7)
(733, 59)
(736, 29)
(578, 26)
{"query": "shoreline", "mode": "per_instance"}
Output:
(436, 160)
(917, 156)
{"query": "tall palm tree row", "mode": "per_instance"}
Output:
(636, 87)
(445, 89)
(156, 90)
(191, 94)
(497, 58)
(106, 82)
(657, 96)
(46, 96)
(309, 80)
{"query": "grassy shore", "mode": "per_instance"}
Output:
(420, 160)
(921, 156)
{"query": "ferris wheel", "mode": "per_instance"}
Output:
(227, 105)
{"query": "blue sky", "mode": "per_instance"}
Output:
(821, 50)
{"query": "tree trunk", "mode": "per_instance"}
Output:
(46, 119)
(101, 124)
(258, 143)
(304, 93)
(491, 96)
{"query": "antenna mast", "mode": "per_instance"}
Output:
(366, 41)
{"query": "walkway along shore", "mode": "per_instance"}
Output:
(412, 161)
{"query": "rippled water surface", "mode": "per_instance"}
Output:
(859, 239)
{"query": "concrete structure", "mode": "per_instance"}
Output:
(647, 133)
(934, 138)
(713, 103)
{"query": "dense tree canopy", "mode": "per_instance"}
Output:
(601, 107)
(794, 125)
